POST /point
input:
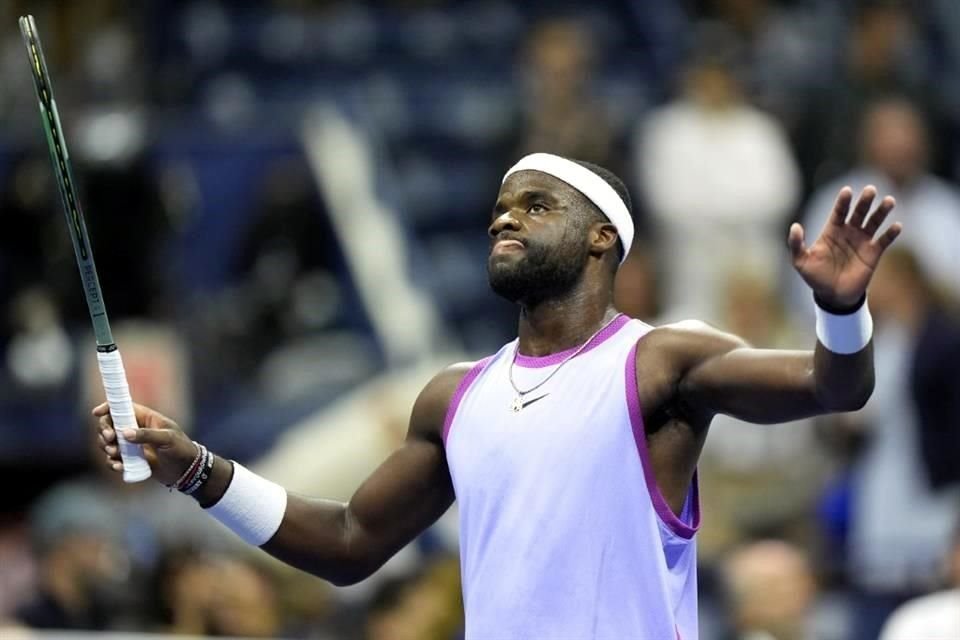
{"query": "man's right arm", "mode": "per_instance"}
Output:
(340, 542)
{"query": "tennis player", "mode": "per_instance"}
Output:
(572, 451)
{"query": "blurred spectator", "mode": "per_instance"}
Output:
(878, 54)
(39, 355)
(17, 580)
(427, 607)
(894, 149)
(719, 180)
(217, 595)
(771, 592)
(561, 113)
(126, 217)
(894, 503)
(757, 481)
(80, 563)
(935, 616)
(34, 237)
(285, 291)
(36, 276)
(908, 299)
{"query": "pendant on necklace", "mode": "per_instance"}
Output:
(517, 404)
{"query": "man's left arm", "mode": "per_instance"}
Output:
(725, 375)
(768, 386)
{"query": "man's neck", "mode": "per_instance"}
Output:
(556, 325)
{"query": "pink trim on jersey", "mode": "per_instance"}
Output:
(461, 391)
(538, 362)
(663, 510)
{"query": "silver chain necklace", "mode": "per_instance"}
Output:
(517, 405)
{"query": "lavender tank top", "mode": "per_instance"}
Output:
(564, 534)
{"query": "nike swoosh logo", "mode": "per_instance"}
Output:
(531, 401)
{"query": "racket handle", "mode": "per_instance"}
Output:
(135, 467)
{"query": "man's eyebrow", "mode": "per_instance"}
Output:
(537, 194)
(526, 195)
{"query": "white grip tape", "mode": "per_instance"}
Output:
(845, 334)
(252, 507)
(135, 467)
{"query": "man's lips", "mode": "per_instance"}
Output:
(507, 246)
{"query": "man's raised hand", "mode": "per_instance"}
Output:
(839, 264)
(167, 449)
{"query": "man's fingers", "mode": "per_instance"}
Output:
(862, 208)
(146, 417)
(841, 206)
(108, 435)
(156, 437)
(887, 237)
(795, 240)
(114, 465)
(877, 217)
(106, 429)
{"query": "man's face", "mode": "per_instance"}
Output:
(538, 238)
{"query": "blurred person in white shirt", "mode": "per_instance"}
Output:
(719, 179)
(931, 617)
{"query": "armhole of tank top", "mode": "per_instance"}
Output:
(687, 524)
(460, 392)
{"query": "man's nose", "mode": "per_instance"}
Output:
(504, 222)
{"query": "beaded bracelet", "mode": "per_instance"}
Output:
(189, 471)
(197, 470)
(203, 474)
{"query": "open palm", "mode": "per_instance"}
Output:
(839, 264)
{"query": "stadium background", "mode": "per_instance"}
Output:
(288, 203)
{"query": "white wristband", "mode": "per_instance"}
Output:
(844, 334)
(252, 507)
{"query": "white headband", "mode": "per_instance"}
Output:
(595, 188)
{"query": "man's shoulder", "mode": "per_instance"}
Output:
(688, 333)
(677, 346)
(443, 385)
(430, 408)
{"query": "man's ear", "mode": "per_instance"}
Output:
(603, 238)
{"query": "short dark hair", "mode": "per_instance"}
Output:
(617, 184)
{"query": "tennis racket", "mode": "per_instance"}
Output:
(135, 467)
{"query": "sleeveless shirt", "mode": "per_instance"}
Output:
(564, 534)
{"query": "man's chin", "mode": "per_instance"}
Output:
(502, 267)
(504, 282)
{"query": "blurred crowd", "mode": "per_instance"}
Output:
(288, 201)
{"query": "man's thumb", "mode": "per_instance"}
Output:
(156, 437)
